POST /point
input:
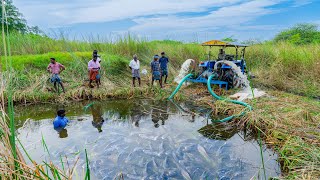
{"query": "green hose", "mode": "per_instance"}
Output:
(179, 86)
(248, 107)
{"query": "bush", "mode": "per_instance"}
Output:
(300, 34)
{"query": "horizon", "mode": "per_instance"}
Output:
(189, 21)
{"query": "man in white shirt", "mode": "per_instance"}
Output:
(135, 69)
(94, 67)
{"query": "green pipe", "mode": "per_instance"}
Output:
(228, 100)
(179, 86)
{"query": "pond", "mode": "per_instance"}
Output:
(143, 139)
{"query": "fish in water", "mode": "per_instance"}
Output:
(185, 174)
(203, 153)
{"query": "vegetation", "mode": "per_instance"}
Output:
(14, 21)
(299, 34)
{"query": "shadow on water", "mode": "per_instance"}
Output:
(144, 139)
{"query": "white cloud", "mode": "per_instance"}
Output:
(60, 12)
(298, 3)
(158, 18)
(230, 16)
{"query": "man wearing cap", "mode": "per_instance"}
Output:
(94, 67)
(135, 69)
(95, 53)
(155, 70)
(164, 66)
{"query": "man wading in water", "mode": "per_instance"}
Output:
(55, 69)
(164, 66)
(155, 70)
(94, 67)
(135, 69)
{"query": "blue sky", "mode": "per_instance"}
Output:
(184, 20)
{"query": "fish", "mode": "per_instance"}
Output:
(185, 174)
(203, 153)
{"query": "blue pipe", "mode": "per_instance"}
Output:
(179, 86)
(228, 100)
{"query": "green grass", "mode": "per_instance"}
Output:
(281, 66)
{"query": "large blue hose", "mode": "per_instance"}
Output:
(248, 107)
(179, 86)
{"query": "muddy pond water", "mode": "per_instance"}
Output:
(143, 139)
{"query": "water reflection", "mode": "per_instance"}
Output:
(219, 131)
(136, 114)
(63, 133)
(97, 119)
(159, 113)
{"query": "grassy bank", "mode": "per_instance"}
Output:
(278, 66)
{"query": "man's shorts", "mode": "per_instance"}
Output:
(164, 71)
(156, 75)
(135, 73)
(55, 78)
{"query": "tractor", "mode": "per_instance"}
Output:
(228, 69)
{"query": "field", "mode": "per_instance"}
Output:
(289, 73)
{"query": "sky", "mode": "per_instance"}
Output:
(183, 20)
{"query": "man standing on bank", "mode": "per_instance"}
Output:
(155, 70)
(164, 66)
(135, 69)
(55, 69)
(94, 67)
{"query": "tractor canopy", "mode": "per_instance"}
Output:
(222, 44)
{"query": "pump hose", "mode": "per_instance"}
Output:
(179, 86)
(248, 107)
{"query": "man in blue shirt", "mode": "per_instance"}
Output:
(60, 121)
(164, 66)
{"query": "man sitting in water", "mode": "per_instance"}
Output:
(164, 66)
(155, 70)
(60, 121)
(135, 69)
(94, 67)
(55, 69)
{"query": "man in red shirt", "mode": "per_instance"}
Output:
(55, 69)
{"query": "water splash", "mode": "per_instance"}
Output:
(242, 82)
(185, 67)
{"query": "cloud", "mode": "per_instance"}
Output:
(298, 3)
(82, 11)
(158, 18)
(231, 16)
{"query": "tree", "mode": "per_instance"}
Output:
(304, 33)
(13, 19)
(229, 39)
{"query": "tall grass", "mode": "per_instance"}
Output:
(286, 67)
